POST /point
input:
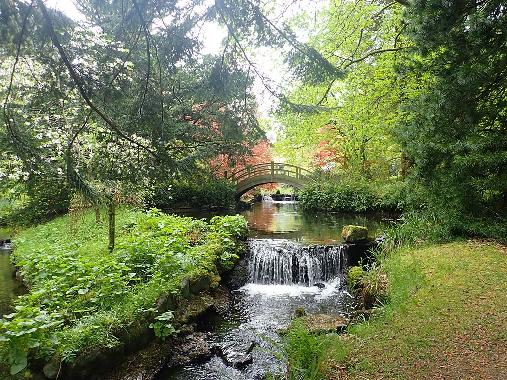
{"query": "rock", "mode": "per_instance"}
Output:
(194, 308)
(141, 365)
(325, 323)
(192, 348)
(185, 287)
(319, 285)
(199, 284)
(238, 276)
(166, 302)
(355, 234)
(51, 369)
(236, 355)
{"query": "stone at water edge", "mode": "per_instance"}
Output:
(236, 355)
(355, 234)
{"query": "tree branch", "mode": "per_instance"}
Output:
(374, 52)
(7, 118)
(79, 84)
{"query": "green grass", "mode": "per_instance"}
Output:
(83, 299)
(446, 318)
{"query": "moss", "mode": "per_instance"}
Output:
(354, 276)
(354, 234)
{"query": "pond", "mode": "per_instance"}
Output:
(285, 220)
(295, 261)
(9, 287)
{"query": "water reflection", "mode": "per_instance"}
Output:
(284, 220)
(9, 288)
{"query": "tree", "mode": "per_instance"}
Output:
(353, 116)
(455, 131)
(116, 102)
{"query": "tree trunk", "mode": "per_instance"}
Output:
(112, 217)
(97, 214)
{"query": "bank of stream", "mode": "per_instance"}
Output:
(295, 261)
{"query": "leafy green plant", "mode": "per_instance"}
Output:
(163, 327)
(198, 191)
(304, 351)
(84, 298)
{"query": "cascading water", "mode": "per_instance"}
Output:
(285, 262)
(293, 262)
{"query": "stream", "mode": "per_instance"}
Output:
(294, 260)
(9, 287)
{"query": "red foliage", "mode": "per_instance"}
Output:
(261, 153)
(325, 155)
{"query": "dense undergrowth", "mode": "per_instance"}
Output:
(82, 298)
(196, 192)
(353, 196)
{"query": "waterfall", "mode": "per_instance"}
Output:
(286, 262)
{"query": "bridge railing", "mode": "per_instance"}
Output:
(269, 169)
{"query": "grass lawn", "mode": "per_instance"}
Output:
(447, 319)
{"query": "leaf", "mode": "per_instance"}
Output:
(19, 362)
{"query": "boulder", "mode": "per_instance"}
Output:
(236, 355)
(355, 234)
(51, 369)
(192, 348)
(325, 323)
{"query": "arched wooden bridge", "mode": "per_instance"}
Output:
(272, 172)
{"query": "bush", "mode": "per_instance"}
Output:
(354, 276)
(82, 298)
(199, 192)
(41, 199)
(353, 196)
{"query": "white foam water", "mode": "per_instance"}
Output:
(285, 262)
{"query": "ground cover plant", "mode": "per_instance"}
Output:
(82, 298)
(445, 318)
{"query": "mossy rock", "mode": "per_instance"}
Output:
(355, 234)
(191, 309)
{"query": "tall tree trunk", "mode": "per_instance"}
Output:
(112, 217)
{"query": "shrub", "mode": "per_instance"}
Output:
(353, 196)
(370, 286)
(354, 276)
(208, 192)
(41, 199)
